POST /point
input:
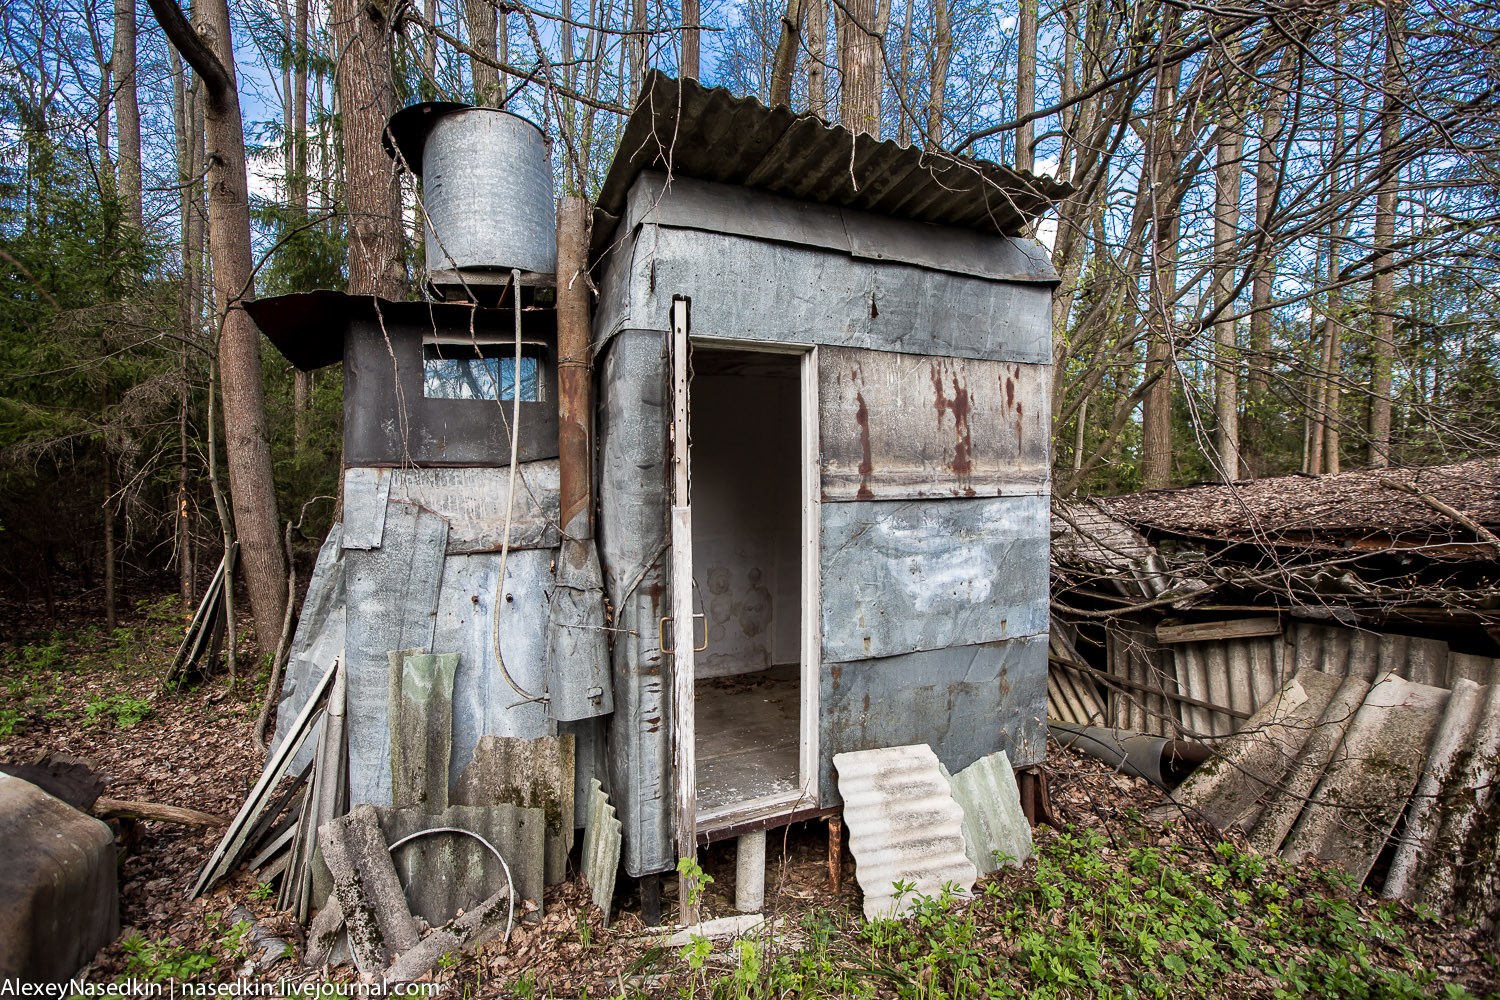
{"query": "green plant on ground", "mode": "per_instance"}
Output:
(126, 710)
(698, 881)
(161, 961)
(1094, 917)
(10, 720)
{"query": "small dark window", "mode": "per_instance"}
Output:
(466, 369)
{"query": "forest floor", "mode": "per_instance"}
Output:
(1106, 906)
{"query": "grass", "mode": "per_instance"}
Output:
(54, 678)
(1092, 918)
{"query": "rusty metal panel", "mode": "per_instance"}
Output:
(898, 426)
(755, 290)
(474, 501)
(903, 576)
(966, 702)
(632, 537)
(904, 827)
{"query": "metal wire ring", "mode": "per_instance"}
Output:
(510, 884)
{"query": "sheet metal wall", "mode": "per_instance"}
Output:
(633, 508)
(417, 554)
(934, 454)
(753, 289)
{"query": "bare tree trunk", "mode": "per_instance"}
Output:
(637, 48)
(298, 180)
(185, 128)
(817, 60)
(942, 59)
(1332, 377)
(127, 113)
(110, 558)
(688, 65)
(1026, 84)
(428, 89)
(1267, 177)
(1226, 354)
(210, 50)
(480, 17)
(1156, 409)
(1382, 287)
(861, 29)
(784, 65)
(372, 187)
(906, 121)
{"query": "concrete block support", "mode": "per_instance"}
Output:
(750, 872)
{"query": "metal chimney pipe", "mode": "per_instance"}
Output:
(573, 369)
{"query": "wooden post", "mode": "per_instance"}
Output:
(836, 852)
(684, 762)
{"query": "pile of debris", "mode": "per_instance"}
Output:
(1331, 639)
(445, 865)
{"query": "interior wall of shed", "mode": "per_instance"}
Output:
(746, 496)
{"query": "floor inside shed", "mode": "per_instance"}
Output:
(747, 729)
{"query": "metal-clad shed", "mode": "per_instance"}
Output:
(868, 413)
(821, 366)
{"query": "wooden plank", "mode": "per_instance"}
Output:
(684, 764)
(811, 636)
(233, 844)
(1241, 628)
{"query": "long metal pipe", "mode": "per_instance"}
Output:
(573, 388)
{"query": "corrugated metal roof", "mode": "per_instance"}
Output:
(696, 131)
(904, 826)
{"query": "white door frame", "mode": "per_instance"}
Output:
(810, 645)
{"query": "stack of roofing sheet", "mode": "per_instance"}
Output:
(1330, 767)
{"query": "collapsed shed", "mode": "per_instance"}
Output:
(816, 458)
(1331, 638)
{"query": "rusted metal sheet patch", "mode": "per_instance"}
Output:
(901, 426)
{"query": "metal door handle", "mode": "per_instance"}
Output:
(661, 634)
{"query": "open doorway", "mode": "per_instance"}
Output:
(747, 460)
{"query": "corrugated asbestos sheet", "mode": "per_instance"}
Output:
(601, 847)
(996, 831)
(709, 133)
(1208, 679)
(1337, 768)
(904, 827)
